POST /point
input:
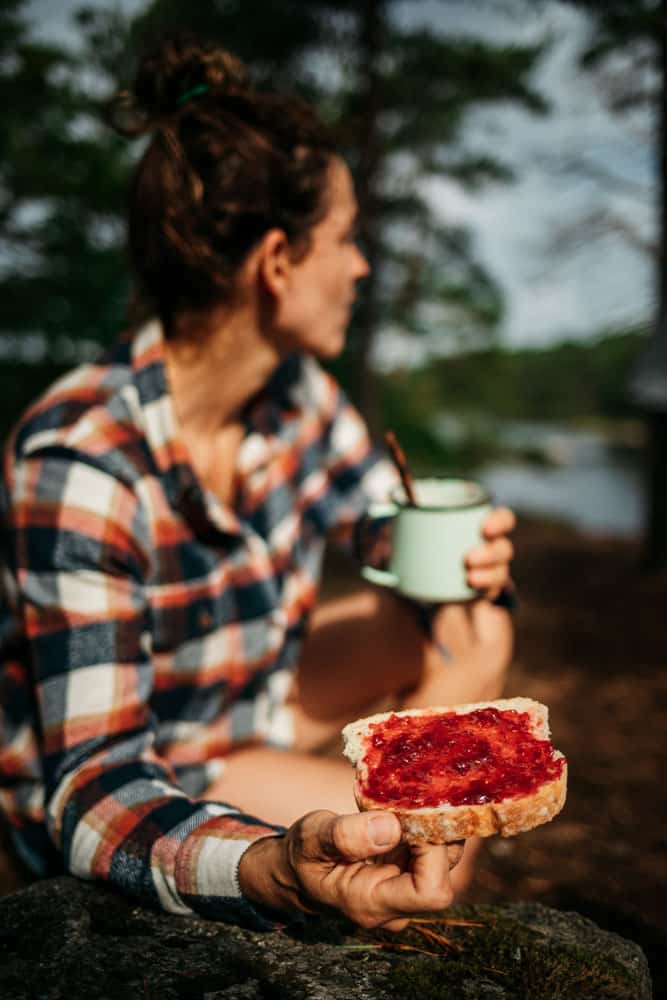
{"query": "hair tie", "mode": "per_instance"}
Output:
(194, 92)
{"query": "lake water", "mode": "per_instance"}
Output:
(592, 484)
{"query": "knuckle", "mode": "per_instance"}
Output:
(340, 836)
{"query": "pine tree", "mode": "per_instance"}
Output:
(61, 199)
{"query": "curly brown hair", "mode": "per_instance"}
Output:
(225, 164)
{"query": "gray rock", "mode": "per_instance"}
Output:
(64, 939)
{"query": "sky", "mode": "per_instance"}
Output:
(559, 281)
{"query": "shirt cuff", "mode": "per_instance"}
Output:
(207, 878)
(207, 874)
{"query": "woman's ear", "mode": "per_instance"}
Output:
(274, 266)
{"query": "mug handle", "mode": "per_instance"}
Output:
(380, 577)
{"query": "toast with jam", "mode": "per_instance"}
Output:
(454, 772)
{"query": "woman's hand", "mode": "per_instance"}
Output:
(478, 636)
(488, 563)
(323, 863)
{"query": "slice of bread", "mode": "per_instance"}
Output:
(443, 822)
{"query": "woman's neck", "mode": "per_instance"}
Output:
(213, 372)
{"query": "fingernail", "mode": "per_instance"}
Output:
(382, 830)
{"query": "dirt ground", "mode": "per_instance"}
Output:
(592, 645)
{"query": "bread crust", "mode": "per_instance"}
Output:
(446, 823)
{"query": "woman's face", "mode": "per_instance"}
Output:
(314, 312)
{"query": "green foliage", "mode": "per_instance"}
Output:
(20, 385)
(62, 195)
(566, 381)
(625, 50)
(409, 402)
(620, 24)
(569, 382)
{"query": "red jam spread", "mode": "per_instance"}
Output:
(468, 759)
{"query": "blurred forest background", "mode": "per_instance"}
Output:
(509, 164)
(505, 160)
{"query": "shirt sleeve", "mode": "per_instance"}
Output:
(114, 811)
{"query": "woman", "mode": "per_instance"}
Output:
(165, 516)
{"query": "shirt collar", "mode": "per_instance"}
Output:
(266, 419)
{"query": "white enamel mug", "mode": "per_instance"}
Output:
(430, 541)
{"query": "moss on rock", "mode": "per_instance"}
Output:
(522, 952)
(66, 938)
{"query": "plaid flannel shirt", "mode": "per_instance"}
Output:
(146, 628)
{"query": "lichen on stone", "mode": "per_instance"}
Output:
(519, 954)
(66, 938)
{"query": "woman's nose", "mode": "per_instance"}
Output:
(363, 268)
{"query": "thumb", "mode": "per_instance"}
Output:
(360, 836)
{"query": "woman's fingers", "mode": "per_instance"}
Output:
(328, 837)
(490, 582)
(500, 551)
(499, 521)
(396, 925)
(329, 854)
(488, 564)
(425, 887)
(399, 856)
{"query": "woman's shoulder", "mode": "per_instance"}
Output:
(84, 405)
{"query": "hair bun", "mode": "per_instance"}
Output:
(178, 64)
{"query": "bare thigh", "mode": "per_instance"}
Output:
(363, 649)
(368, 652)
(280, 786)
(364, 652)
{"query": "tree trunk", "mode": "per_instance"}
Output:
(655, 539)
(655, 544)
(367, 179)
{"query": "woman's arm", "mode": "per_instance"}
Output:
(113, 809)
(79, 555)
